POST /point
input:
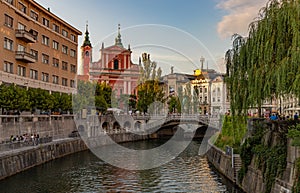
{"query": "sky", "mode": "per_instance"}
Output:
(174, 32)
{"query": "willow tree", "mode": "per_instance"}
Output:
(265, 65)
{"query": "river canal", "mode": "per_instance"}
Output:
(84, 172)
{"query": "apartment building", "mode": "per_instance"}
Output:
(39, 49)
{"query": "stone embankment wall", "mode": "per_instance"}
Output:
(253, 181)
(221, 161)
(15, 161)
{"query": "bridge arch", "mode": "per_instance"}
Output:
(105, 127)
(138, 125)
(116, 127)
(127, 125)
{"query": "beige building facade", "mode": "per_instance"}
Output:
(39, 49)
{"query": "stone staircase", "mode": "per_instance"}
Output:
(237, 165)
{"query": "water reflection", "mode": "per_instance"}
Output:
(83, 172)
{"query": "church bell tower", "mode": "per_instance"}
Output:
(86, 53)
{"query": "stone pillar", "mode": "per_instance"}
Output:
(125, 87)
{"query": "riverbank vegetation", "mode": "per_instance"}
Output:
(232, 133)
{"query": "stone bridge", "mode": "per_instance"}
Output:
(94, 126)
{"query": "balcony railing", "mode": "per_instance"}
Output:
(25, 57)
(25, 36)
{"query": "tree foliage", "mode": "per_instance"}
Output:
(174, 104)
(265, 65)
(92, 94)
(149, 88)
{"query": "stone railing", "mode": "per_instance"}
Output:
(32, 118)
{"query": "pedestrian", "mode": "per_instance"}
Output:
(273, 117)
(37, 139)
(296, 116)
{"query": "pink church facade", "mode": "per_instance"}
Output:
(114, 67)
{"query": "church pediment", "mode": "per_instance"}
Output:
(115, 48)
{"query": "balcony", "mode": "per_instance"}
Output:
(25, 36)
(25, 57)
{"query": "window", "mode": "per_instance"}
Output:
(64, 82)
(116, 64)
(55, 45)
(45, 59)
(200, 90)
(21, 48)
(56, 28)
(22, 7)
(219, 99)
(54, 79)
(64, 49)
(9, 21)
(33, 74)
(45, 77)
(214, 100)
(205, 99)
(64, 33)
(73, 38)
(34, 33)
(45, 40)
(34, 15)
(10, 1)
(8, 67)
(73, 68)
(21, 26)
(205, 90)
(55, 62)
(64, 65)
(34, 53)
(45, 22)
(72, 83)
(72, 53)
(8, 44)
(21, 71)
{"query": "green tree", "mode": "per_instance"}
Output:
(149, 88)
(93, 94)
(13, 97)
(132, 102)
(174, 104)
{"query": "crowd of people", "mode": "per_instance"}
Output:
(276, 116)
(34, 138)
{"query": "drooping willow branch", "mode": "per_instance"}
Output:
(266, 64)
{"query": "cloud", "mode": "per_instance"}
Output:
(240, 14)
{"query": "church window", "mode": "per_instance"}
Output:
(116, 64)
(87, 53)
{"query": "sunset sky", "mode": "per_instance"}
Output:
(175, 32)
